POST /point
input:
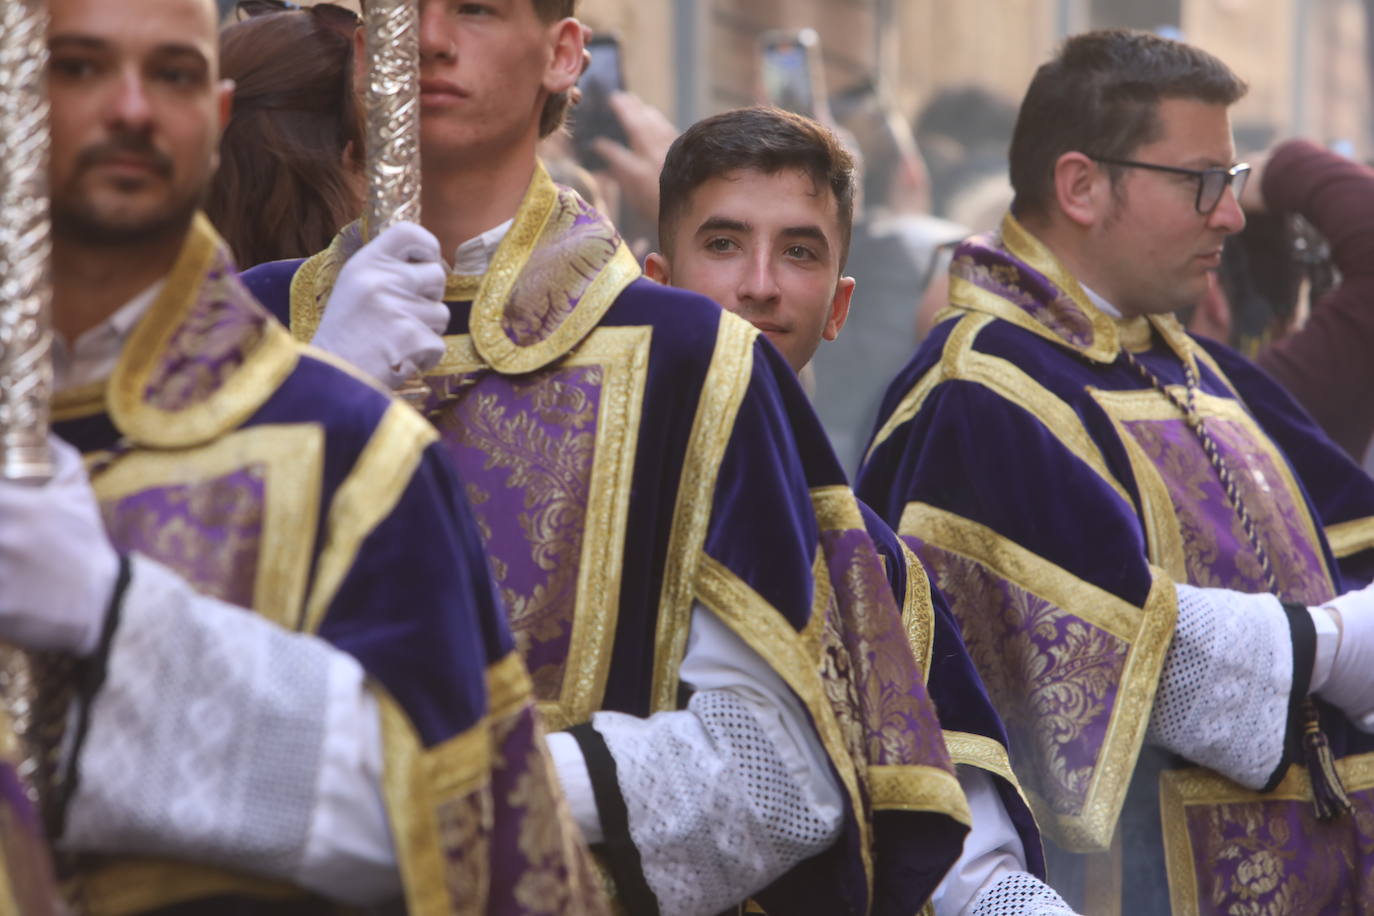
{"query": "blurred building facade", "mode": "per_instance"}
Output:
(1306, 60)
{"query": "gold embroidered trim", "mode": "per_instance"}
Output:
(293, 456)
(1146, 630)
(262, 372)
(130, 886)
(79, 402)
(959, 341)
(918, 788)
(918, 611)
(836, 509)
(967, 749)
(722, 392)
(1028, 249)
(461, 287)
(623, 356)
(1349, 538)
(366, 497)
(1180, 790)
(411, 801)
(309, 286)
(512, 255)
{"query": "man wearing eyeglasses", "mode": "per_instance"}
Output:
(1154, 555)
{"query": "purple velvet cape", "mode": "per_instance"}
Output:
(974, 732)
(278, 482)
(629, 449)
(1057, 497)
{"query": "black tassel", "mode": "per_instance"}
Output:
(1329, 798)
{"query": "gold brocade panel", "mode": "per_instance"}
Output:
(236, 518)
(547, 459)
(1193, 531)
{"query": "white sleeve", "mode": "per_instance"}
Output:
(729, 794)
(1223, 694)
(992, 848)
(223, 739)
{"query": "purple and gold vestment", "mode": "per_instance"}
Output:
(630, 450)
(1057, 497)
(272, 479)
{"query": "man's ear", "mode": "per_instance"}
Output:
(839, 308)
(224, 90)
(656, 268)
(565, 67)
(1082, 188)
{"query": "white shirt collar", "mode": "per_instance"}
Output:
(473, 257)
(1111, 310)
(93, 355)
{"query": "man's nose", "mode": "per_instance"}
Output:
(435, 40)
(1227, 216)
(131, 107)
(759, 283)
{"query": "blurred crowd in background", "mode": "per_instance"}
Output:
(924, 92)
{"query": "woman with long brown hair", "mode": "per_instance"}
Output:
(291, 158)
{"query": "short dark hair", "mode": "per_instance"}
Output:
(762, 139)
(1101, 95)
(555, 106)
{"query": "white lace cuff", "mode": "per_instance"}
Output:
(1223, 698)
(205, 741)
(1020, 894)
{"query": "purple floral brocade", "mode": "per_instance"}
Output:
(983, 262)
(219, 333)
(209, 532)
(1246, 861)
(525, 450)
(1053, 676)
(575, 246)
(892, 714)
(1215, 546)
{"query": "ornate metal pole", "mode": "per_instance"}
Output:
(25, 329)
(392, 101)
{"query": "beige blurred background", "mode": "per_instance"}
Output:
(1306, 60)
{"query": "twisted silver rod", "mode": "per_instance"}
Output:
(392, 102)
(25, 248)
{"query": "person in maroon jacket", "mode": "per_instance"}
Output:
(1327, 364)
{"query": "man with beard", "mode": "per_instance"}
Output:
(294, 671)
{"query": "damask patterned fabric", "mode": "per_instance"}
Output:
(1057, 498)
(275, 481)
(630, 450)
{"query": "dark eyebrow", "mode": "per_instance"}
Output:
(85, 42)
(811, 232)
(723, 224)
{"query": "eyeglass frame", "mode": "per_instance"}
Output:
(1240, 171)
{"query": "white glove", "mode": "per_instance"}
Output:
(57, 567)
(387, 314)
(1350, 685)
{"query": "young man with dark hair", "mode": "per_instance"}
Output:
(756, 208)
(1143, 538)
(296, 688)
(683, 573)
